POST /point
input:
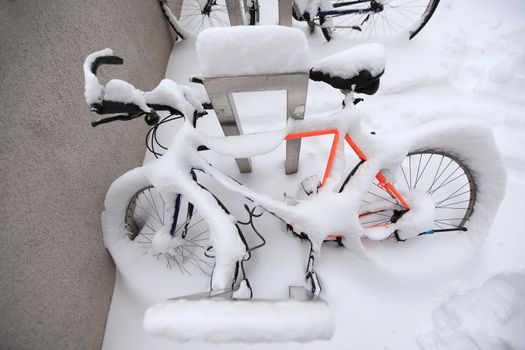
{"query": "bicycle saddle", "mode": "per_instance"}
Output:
(356, 69)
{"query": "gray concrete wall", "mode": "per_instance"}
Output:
(56, 278)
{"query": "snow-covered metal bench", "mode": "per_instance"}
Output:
(248, 59)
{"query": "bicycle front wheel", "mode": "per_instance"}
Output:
(148, 211)
(375, 19)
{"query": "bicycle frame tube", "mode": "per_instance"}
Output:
(348, 3)
(383, 183)
(332, 150)
(324, 13)
(388, 186)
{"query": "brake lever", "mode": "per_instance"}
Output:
(121, 117)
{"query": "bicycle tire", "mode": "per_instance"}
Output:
(394, 18)
(195, 19)
(444, 176)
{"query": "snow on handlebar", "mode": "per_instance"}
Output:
(115, 90)
(119, 96)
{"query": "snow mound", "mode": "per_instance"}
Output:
(490, 317)
(240, 321)
(254, 50)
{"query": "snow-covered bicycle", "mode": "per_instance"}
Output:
(450, 180)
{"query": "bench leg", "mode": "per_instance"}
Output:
(234, 12)
(285, 13)
(295, 105)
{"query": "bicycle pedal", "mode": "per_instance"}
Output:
(310, 185)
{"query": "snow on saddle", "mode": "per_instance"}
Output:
(356, 69)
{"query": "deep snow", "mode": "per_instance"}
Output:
(468, 62)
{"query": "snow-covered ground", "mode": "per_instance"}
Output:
(424, 293)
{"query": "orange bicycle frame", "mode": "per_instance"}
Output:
(383, 183)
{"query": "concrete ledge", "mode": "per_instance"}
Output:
(56, 276)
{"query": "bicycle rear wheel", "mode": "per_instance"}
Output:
(197, 15)
(440, 175)
(375, 19)
(147, 212)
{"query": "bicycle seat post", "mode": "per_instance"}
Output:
(348, 96)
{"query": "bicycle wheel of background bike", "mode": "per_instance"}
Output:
(147, 212)
(197, 15)
(441, 175)
(388, 18)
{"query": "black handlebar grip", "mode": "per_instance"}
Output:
(105, 60)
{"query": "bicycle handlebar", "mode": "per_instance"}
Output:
(124, 110)
(105, 60)
(130, 110)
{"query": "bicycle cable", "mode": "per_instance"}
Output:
(152, 141)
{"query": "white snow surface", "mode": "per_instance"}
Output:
(490, 317)
(251, 50)
(350, 62)
(226, 320)
(465, 63)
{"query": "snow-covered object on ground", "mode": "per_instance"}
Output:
(93, 90)
(508, 74)
(252, 50)
(121, 91)
(487, 318)
(350, 62)
(240, 321)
